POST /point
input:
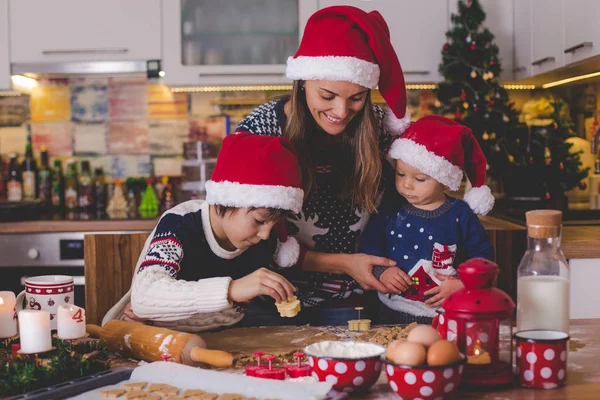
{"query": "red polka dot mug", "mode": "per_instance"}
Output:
(542, 358)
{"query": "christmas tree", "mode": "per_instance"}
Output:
(472, 95)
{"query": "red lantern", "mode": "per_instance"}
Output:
(474, 319)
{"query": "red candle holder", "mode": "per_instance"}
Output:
(270, 372)
(251, 369)
(298, 370)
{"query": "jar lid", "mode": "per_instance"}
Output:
(544, 217)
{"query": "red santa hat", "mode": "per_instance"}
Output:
(263, 172)
(345, 43)
(443, 148)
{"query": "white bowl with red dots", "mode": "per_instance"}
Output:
(348, 365)
(424, 381)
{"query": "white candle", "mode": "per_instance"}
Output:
(34, 331)
(71, 322)
(8, 322)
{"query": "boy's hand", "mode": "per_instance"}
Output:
(396, 280)
(449, 285)
(260, 282)
(131, 316)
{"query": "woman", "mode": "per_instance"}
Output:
(341, 138)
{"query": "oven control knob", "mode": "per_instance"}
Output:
(33, 254)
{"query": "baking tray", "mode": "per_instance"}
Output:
(77, 386)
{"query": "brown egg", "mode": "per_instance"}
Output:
(407, 353)
(423, 334)
(442, 352)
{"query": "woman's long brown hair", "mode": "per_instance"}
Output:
(360, 142)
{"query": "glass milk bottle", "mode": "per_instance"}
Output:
(543, 275)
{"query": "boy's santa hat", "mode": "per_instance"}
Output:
(262, 172)
(345, 43)
(443, 148)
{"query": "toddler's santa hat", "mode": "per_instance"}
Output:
(345, 43)
(443, 148)
(262, 172)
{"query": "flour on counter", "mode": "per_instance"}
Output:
(345, 349)
(126, 339)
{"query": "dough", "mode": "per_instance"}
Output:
(289, 308)
(134, 386)
(112, 393)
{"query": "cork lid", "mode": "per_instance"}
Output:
(543, 223)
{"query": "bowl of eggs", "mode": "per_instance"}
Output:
(350, 366)
(423, 365)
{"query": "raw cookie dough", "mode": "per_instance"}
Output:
(289, 308)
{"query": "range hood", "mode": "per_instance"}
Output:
(151, 67)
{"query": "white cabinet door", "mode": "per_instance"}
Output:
(84, 30)
(4, 53)
(417, 29)
(582, 29)
(523, 39)
(547, 31)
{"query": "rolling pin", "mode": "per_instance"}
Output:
(149, 343)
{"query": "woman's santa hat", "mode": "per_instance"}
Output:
(345, 43)
(262, 172)
(443, 148)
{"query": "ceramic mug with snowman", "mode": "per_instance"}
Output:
(46, 293)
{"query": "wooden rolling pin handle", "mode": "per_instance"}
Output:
(216, 358)
(93, 330)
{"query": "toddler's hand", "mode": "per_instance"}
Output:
(260, 282)
(449, 285)
(130, 315)
(395, 280)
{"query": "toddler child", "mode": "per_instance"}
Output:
(205, 256)
(431, 234)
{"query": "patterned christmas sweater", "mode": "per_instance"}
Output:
(422, 243)
(327, 222)
(182, 276)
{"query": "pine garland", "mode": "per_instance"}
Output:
(70, 360)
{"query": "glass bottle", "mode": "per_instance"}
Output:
(117, 204)
(14, 188)
(44, 182)
(29, 169)
(85, 192)
(57, 191)
(2, 181)
(543, 275)
(99, 194)
(71, 193)
(167, 201)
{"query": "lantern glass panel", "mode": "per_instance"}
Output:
(505, 352)
(478, 342)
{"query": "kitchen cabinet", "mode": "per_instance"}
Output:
(499, 20)
(417, 30)
(547, 35)
(522, 67)
(74, 30)
(581, 30)
(229, 41)
(4, 53)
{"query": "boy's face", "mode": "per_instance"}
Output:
(245, 227)
(333, 104)
(421, 190)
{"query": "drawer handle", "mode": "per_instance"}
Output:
(519, 69)
(85, 51)
(416, 72)
(542, 60)
(582, 45)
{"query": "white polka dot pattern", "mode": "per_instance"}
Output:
(561, 374)
(311, 361)
(549, 354)
(452, 325)
(390, 370)
(563, 356)
(469, 340)
(528, 375)
(421, 230)
(428, 377)
(408, 225)
(360, 366)
(449, 387)
(426, 391)
(410, 378)
(546, 372)
(441, 318)
(531, 357)
(331, 379)
(340, 368)
(484, 337)
(323, 364)
(394, 386)
(518, 352)
(358, 381)
(377, 366)
(448, 372)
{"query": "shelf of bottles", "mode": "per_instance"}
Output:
(233, 32)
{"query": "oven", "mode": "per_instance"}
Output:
(33, 254)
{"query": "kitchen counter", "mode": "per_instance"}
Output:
(77, 226)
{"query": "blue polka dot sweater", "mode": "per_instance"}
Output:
(422, 243)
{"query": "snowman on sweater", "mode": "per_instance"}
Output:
(432, 233)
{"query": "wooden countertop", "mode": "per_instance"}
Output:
(77, 226)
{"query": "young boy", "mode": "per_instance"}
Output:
(205, 256)
(432, 233)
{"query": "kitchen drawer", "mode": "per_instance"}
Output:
(83, 30)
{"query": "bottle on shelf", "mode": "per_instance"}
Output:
(71, 192)
(117, 205)
(85, 192)
(167, 200)
(57, 191)
(543, 275)
(149, 205)
(132, 212)
(99, 194)
(14, 188)
(44, 183)
(29, 171)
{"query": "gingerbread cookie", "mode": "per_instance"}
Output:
(112, 393)
(134, 386)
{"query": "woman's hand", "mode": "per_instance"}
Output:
(396, 280)
(260, 282)
(360, 267)
(449, 285)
